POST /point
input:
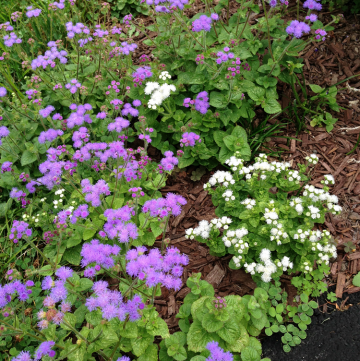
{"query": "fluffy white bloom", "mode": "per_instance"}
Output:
(312, 159)
(164, 75)
(265, 255)
(159, 94)
(234, 163)
(329, 179)
(249, 203)
(150, 87)
(220, 177)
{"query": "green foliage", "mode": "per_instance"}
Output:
(331, 296)
(356, 280)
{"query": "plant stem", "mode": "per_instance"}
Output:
(268, 28)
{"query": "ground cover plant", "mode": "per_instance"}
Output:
(80, 195)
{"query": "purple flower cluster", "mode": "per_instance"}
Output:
(32, 12)
(202, 102)
(46, 111)
(311, 17)
(80, 212)
(118, 224)
(129, 170)
(111, 303)
(78, 28)
(154, 268)
(170, 4)
(129, 110)
(49, 135)
(6, 166)
(146, 137)
(169, 162)
(141, 74)
(320, 34)
(298, 28)
(163, 207)
(58, 291)
(22, 356)
(57, 5)
(6, 26)
(224, 56)
(4, 132)
(118, 125)
(93, 192)
(312, 5)
(80, 116)
(203, 23)
(10, 40)
(31, 92)
(136, 192)
(3, 92)
(115, 30)
(19, 230)
(20, 196)
(45, 349)
(125, 48)
(80, 137)
(100, 150)
(9, 289)
(73, 86)
(217, 353)
(49, 57)
(189, 139)
(99, 32)
(99, 254)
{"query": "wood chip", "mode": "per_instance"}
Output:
(215, 276)
(353, 256)
(171, 305)
(352, 290)
(340, 284)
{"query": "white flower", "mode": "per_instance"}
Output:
(164, 75)
(150, 87)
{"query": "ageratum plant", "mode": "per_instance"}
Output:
(223, 68)
(266, 226)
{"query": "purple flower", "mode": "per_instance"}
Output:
(73, 86)
(202, 102)
(101, 115)
(49, 135)
(33, 13)
(80, 137)
(64, 272)
(79, 116)
(119, 124)
(169, 162)
(80, 212)
(93, 192)
(203, 23)
(3, 92)
(217, 353)
(19, 230)
(154, 268)
(6, 166)
(298, 28)
(44, 349)
(4, 132)
(46, 111)
(214, 16)
(312, 5)
(49, 57)
(311, 17)
(98, 254)
(9, 289)
(189, 139)
(10, 40)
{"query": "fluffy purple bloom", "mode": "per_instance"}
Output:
(4, 132)
(203, 23)
(169, 162)
(10, 289)
(129, 170)
(321, 33)
(154, 268)
(202, 102)
(49, 135)
(79, 116)
(119, 124)
(189, 139)
(223, 56)
(80, 212)
(163, 207)
(118, 224)
(129, 110)
(123, 358)
(19, 230)
(312, 5)
(64, 272)
(217, 353)
(3, 92)
(311, 17)
(6, 166)
(44, 349)
(47, 283)
(101, 115)
(141, 74)
(80, 137)
(93, 192)
(49, 57)
(73, 86)
(10, 40)
(98, 254)
(32, 12)
(214, 16)
(22, 356)
(298, 28)
(16, 194)
(46, 111)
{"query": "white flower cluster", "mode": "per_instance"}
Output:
(164, 75)
(26, 217)
(312, 159)
(266, 269)
(296, 203)
(270, 214)
(314, 212)
(228, 195)
(249, 203)
(316, 194)
(220, 177)
(329, 179)
(325, 253)
(285, 263)
(60, 193)
(158, 93)
(277, 234)
(235, 238)
(293, 175)
(302, 235)
(204, 228)
(306, 266)
(234, 163)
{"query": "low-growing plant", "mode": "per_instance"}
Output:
(265, 222)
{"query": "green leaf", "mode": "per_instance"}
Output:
(72, 255)
(210, 323)
(316, 88)
(130, 330)
(286, 348)
(356, 280)
(89, 70)
(150, 354)
(256, 93)
(218, 100)
(28, 158)
(250, 354)
(272, 106)
(85, 284)
(268, 331)
(197, 337)
(231, 331)
(70, 319)
(304, 298)
(141, 343)
(185, 162)
(88, 233)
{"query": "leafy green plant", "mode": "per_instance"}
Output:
(356, 280)
(331, 296)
